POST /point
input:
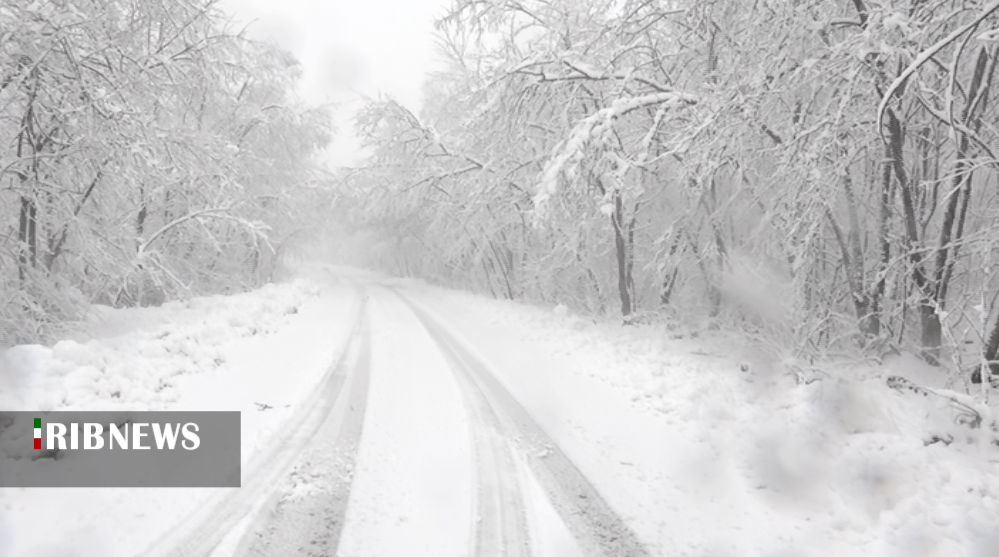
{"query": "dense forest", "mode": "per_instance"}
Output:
(149, 152)
(823, 174)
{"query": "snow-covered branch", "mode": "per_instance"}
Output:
(222, 213)
(924, 57)
(591, 129)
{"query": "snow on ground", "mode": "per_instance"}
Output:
(548, 533)
(703, 458)
(259, 353)
(412, 487)
(701, 454)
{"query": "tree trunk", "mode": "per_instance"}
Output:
(669, 278)
(623, 263)
(27, 237)
(990, 356)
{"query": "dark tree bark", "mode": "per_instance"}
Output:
(670, 277)
(621, 252)
(990, 355)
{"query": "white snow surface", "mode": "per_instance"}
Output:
(697, 455)
(259, 353)
(412, 489)
(704, 459)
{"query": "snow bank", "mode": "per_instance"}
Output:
(259, 353)
(137, 368)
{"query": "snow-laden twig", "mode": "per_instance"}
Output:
(596, 75)
(223, 213)
(571, 150)
(971, 413)
(924, 57)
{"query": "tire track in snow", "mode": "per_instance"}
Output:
(598, 530)
(200, 533)
(500, 522)
(311, 523)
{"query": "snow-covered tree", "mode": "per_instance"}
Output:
(146, 150)
(816, 171)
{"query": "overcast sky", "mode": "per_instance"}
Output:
(367, 46)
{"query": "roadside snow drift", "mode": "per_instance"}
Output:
(708, 450)
(259, 353)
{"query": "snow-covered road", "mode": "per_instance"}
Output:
(436, 458)
(384, 417)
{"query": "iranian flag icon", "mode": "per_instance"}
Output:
(38, 433)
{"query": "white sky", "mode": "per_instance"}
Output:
(348, 48)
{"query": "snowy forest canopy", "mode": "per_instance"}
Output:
(148, 152)
(823, 173)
